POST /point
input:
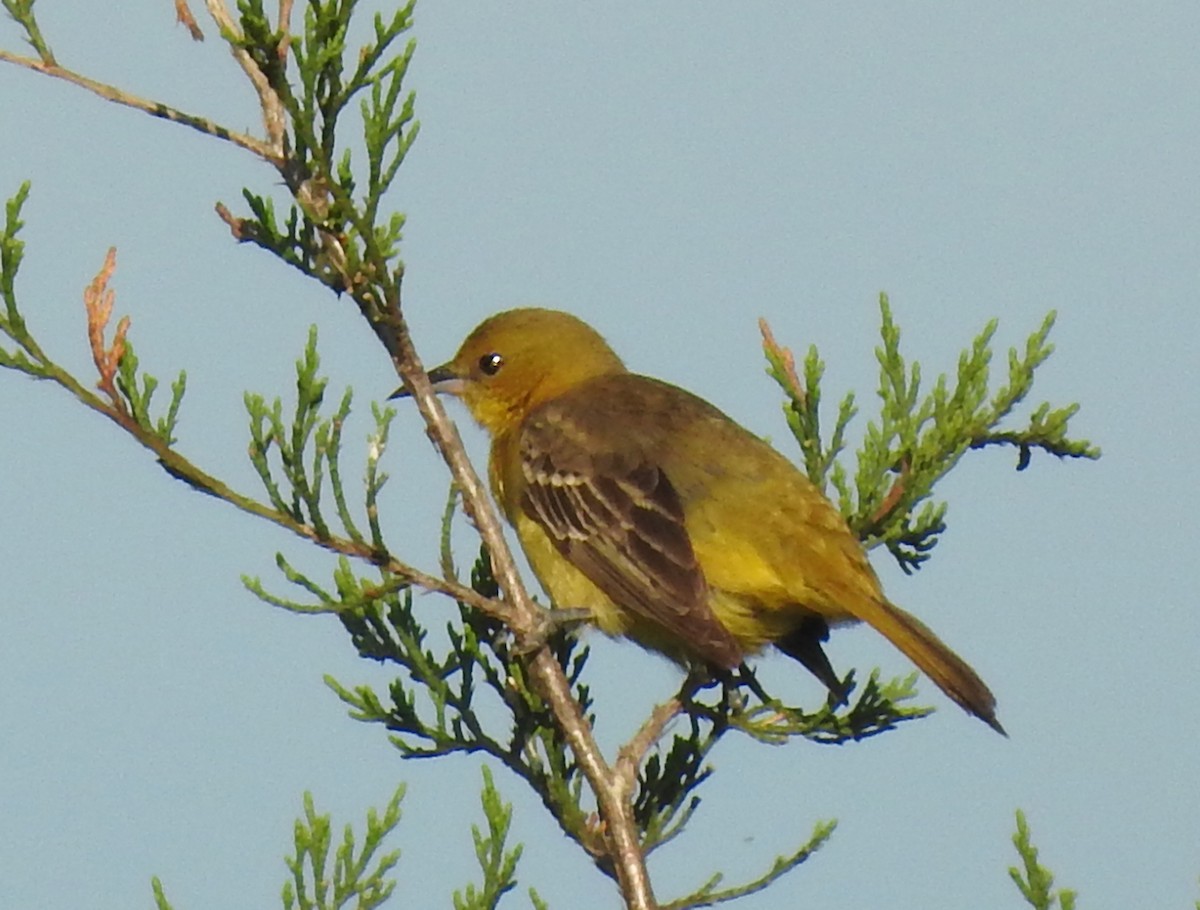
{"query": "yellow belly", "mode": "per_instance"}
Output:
(754, 621)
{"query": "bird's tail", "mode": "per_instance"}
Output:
(934, 658)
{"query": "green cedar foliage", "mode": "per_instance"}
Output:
(339, 123)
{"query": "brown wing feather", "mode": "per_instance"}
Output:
(618, 519)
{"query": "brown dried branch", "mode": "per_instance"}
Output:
(777, 353)
(98, 299)
(237, 226)
(183, 15)
(892, 498)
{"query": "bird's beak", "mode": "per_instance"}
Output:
(443, 379)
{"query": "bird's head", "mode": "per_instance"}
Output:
(516, 360)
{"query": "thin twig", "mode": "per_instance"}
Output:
(153, 108)
(285, 26)
(631, 755)
(184, 16)
(274, 114)
(891, 499)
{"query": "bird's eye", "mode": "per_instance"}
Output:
(491, 363)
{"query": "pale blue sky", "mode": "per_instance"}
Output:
(670, 172)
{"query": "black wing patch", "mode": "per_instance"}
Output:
(620, 522)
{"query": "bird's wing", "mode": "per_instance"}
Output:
(616, 517)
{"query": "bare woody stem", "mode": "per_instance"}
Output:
(274, 115)
(633, 753)
(153, 108)
(612, 789)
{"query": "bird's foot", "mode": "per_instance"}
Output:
(552, 621)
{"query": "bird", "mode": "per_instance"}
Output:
(663, 519)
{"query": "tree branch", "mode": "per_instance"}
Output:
(153, 108)
(274, 115)
(529, 624)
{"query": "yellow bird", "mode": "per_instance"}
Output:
(666, 520)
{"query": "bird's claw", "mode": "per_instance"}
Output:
(551, 621)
